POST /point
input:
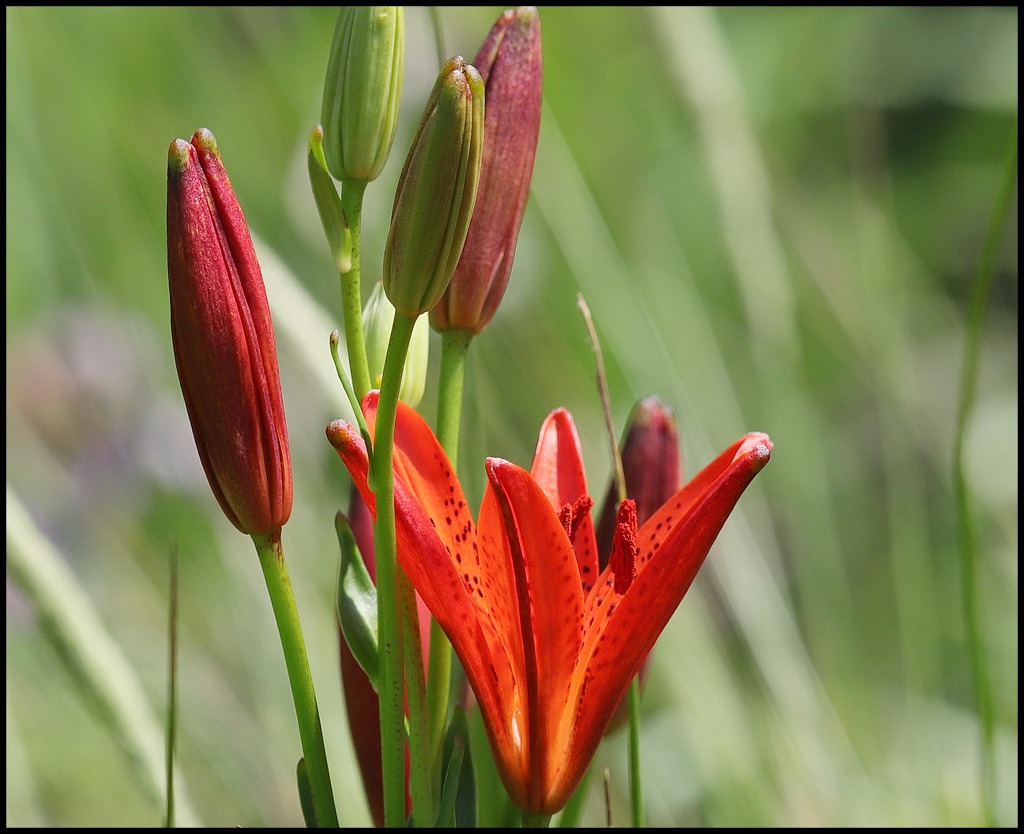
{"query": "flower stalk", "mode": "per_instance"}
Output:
(286, 614)
(226, 358)
(509, 63)
(391, 594)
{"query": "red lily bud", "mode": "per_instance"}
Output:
(650, 462)
(223, 341)
(509, 62)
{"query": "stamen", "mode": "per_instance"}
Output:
(624, 549)
(572, 515)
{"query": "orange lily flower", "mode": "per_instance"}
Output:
(549, 643)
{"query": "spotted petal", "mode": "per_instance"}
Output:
(623, 628)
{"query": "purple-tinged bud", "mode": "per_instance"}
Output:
(223, 339)
(650, 463)
(509, 61)
(436, 192)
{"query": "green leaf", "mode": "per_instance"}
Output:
(305, 794)
(328, 203)
(357, 603)
(458, 793)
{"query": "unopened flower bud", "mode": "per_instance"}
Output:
(650, 463)
(223, 339)
(378, 317)
(436, 192)
(363, 90)
(509, 62)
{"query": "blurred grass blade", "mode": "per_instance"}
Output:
(172, 686)
(972, 606)
(302, 322)
(95, 660)
(24, 804)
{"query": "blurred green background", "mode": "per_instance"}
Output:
(776, 217)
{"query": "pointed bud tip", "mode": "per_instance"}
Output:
(651, 412)
(522, 16)
(179, 156)
(203, 140)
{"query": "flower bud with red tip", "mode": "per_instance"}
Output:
(223, 339)
(436, 192)
(509, 62)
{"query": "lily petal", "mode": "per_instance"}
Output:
(549, 598)
(451, 589)
(623, 629)
(422, 465)
(558, 469)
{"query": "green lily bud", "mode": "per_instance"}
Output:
(509, 61)
(436, 192)
(363, 90)
(378, 317)
(223, 340)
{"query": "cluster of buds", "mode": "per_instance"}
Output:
(455, 222)
(509, 62)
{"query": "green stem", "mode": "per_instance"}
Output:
(421, 769)
(286, 613)
(968, 554)
(454, 345)
(536, 820)
(636, 796)
(351, 293)
(389, 636)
